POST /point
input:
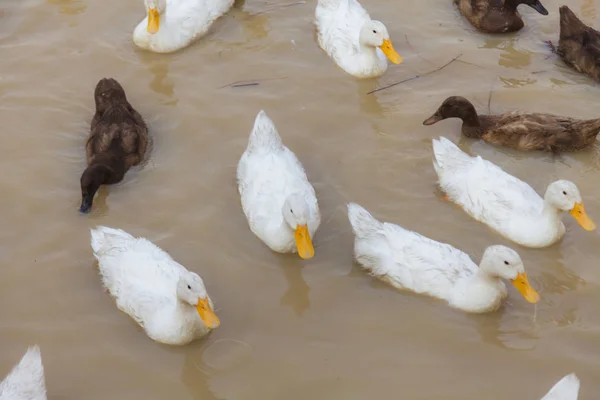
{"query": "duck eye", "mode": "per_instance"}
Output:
(565, 193)
(506, 263)
(189, 287)
(291, 211)
(374, 31)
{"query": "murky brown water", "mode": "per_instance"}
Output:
(290, 330)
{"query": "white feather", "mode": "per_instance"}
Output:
(26, 380)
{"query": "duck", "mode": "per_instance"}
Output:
(26, 380)
(409, 261)
(117, 141)
(168, 301)
(496, 16)
(565, 389)
(579, 44)
(172, 25)
(355, 42)
(520, 130)
(278, 201)
(505, 203)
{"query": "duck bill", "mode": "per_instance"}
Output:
(523, 286)
(390, 53)
(578, 212)
(207, 315)
(437, 117)
(153, 21)
(537, 6)
(303, 243)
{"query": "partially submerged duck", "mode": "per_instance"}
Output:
(519, 130)
(506, 204)
(355, 42)
(496, 16)
(26, 380)
(579, 44)
(565, 389)
(118, 141)
(169, 302)
(410, 261)
(277, 198)
(171, 25)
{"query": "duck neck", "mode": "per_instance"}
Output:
(471, 126)
(92, 178)
(511, 5)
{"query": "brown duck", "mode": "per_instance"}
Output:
(496, 16)
(579, 45)
(519, 130)
(118, 141)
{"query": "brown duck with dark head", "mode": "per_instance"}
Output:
(496, 16)
(519, 130)
(118, 141)
(579, 45)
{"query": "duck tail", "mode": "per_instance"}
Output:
(588, 128)
(102, 237)
(447, 156)
(27, 378)
(264, 134)
(364, 225)
(566, 389)
(570, 25)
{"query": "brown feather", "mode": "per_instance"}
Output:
(520, 130)
(579, 45)
(118, 140)
(496, 16)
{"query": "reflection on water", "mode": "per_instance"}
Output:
(510, 56)
(513, 83)
(69, 7)
(195, 376)
(588, 9)
(297, 294)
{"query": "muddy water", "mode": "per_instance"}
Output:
(290, 329)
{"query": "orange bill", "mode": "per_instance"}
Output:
(207, 315)
(523, 286)
(303, 242)
(153, 20)
(578, 212)
(388, 50)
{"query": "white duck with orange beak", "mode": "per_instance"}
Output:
(357, 44)
(161, 295)
(505, 203)
(277, 198)
(171, 25)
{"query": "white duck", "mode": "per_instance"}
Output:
(26, 380)
(408, 260)
(356, 43)
(504, 203)
(162, 296)
(566, 389)
(277, 198)
(171, 25)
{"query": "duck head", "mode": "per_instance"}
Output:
(191, 290)
(453, 107)
(154, 9)
(375, 34)
(564, 196)
(92, 178)
(295, 213)
(505, 263)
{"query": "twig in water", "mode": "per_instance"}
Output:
(417, 76)
(246, 84)
(251, 82)
(279, 7)
(490, 101)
